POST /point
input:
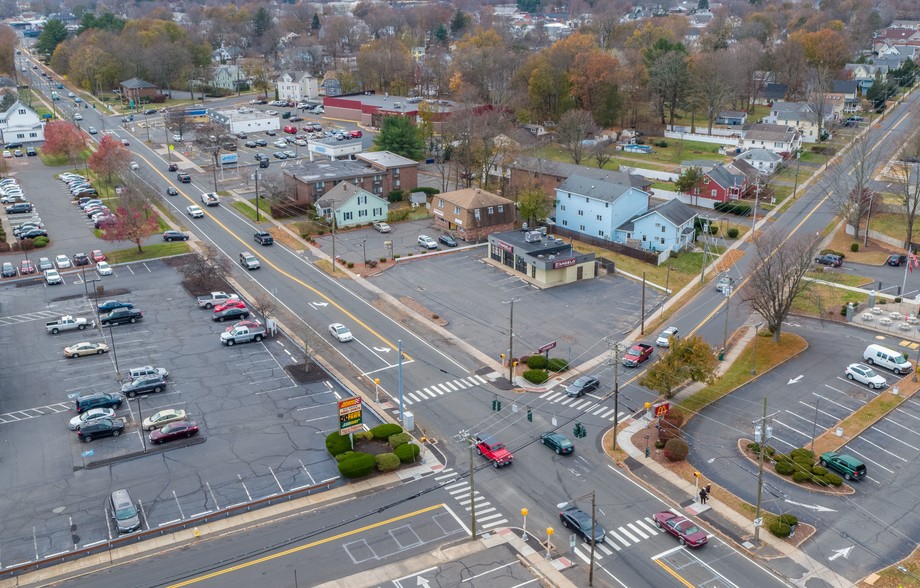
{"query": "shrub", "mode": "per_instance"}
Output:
(843, 309)
(358, 464)
(351, 264)
(385, 430)
(733, 208)
(676, 449)
(39, 242)
(802, 462)
(818, 470)
(789, 519)
(801, 452)
(800, 476)
(753, 447)
(557, 364)
(399, 214)
(428, 191)
(661, 143)
(536, 376)
(779, 528)
(364, 436)
(784, 468)
(407, 453)
(832, 252)
(781, 457)
(383, 260)
(659, 444)
(732, 233)
(336, 444)
(833, 479)
(387, 462)
(713, 229)
(396, 196)
(537, 362)
(343, 456)
(854, 247)
(671, 424)
(399, 439)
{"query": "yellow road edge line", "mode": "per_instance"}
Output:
(677, 576)
(304, 547)
(272, 265)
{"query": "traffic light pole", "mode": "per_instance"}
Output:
(472, 493)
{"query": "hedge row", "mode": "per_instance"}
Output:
(733, 208)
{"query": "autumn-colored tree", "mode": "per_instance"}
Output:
(385, 65)
(132, 222)
(826, 47)
(532, 204)
(690, 358)
(110, 158)
(8, 42)
(64, 139)
(486, 63)
(594, 85)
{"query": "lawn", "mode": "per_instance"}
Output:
(150, 252)
(663, 158)
(891, 224)
(819, 299)
(769, 355)
(62, 160)
(840, 278)
(874, 254)
(248, 209)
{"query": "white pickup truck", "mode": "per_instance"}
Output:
(210, 199)
(214, 298)
(242, 334)
(67, 323)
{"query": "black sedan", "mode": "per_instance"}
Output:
(230, 314)
(175, 236)
(579, 521)
(896, 259)
(261, 142)
(176, 430)
(121, 316)
(101, 428)
(110, 305)
(557, 442)
(170, 191)
(448, 240)
(144, 385)
(250, 144)
(33, 234)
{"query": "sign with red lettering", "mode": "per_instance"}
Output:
(561, 263)
(350, 416)
(662, 409)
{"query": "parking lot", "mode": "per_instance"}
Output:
(261, 434)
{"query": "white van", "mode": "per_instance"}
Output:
(886, 358)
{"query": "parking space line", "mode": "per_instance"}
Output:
(867, 460)
(874, 428)
(895, 455)
(846, 408)
(825, 413)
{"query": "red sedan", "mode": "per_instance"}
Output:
(232, 303)
(26, 267)
(681, 527)
(97, 255)
(172, 431)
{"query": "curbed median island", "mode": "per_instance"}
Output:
(386, 447)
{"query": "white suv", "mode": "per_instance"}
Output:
(865, 375)
(426, 242)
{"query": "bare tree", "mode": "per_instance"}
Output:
(710, 83)
(781, 265)
(207, 270)
(572, 130)
(178, 122)
(818, 85)
(848, 182)
(601, 153)
(907, 182)
(265, 304)
(211, 138)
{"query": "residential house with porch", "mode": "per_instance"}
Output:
(297, 86)
(351, 206)
(596, 207)
(800, 116)
(18, 122)
(666, 226)
(720, 183)
(776, 138)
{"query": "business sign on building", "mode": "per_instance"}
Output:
(229, 159)
(350, 416)
(502, 245)
(561, 263)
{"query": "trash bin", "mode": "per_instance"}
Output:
(408, 421)
(722, 354)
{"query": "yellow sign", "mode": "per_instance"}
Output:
(350, 420)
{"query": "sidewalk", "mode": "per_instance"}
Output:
(718, 514)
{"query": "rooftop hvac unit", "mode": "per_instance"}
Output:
(533, 236)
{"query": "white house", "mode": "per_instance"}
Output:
(228, 77)
(18, 122)
(775, 138)
(297, 86)
(763, 160)
(801, 116)
(667, 226)
(351, 205)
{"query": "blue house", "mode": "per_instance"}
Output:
(596, 208)
(665, 226)
(351, 206)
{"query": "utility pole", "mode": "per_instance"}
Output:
(593, 531)
(728, 299)
(333, 239)
(616, 392)
(761, 434)
(642, 318)
(511, 341)
(257, 202)
(472, 491)
(756, 201)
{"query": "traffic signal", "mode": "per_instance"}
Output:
(529, 416)
(496, 404)
(579, 431)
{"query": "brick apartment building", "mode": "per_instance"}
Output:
(472, 214)
(378, 172)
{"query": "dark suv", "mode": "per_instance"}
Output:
(580, 522)
(101, 428)
(144, 385)
(184, 178)
(120, 316)
(829, 259)
(263, 238)
(582, 385)
(98, 400)
(19, 208)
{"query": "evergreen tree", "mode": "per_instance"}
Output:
(315, 25)
(458, 23)
(440, 34)
(400, 136)
(703, 5)
(51, 36)
(261, 22)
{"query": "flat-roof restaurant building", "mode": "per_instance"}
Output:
(544, 260)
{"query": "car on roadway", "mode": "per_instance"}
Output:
(26, 267)
(110, 305)
(557, 442)
(865, 375)
(104, 269)
(62, 262)
(896, 259)
(163, 418)
(89, 416)
(381, 227)
(194, 211)
(92, 130)
(263, 238)
(97, 255)
(686, 531)
(582, 386)
(664, 339)
(78, 116)
(170, 191)
(9, 270)
(579, 521)
(135, 166)
(184, 178)
(175, 236)
(85, 348)
(52, 277)
(80, 259)
(725, 284)
(173, 431)
(447, 240)
(101, 428)
(143, 385)
(340, 332)
(173, 167)
(426, 242)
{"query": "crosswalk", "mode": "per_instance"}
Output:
(487, 516)
(436, 390)
(620, 538)
(587, 405)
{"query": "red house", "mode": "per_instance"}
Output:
(721, 183)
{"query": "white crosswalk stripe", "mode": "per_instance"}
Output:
(618, 538)
(493, 524)
(637, 531)
(648, 526)
(442, 388)
(453, 387)
(487, 516)
(627, 534)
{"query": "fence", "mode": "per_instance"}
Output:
(716, 131)
(703, 138)
(640, 254)
(688, 199)
(652, 174)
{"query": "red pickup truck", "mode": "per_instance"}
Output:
(494, 450)
(637, 354)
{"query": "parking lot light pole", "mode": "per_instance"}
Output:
(524, 512)
(754, 355)
(114, 354)
(364, 249)
(140, 423)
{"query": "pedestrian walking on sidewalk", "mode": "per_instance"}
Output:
(703, 496)
(708, 490)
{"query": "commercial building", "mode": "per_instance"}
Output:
(543, 260)
(378, 172)
(245, 122)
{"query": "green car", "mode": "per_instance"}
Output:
(557, 442)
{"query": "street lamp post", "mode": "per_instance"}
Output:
(377, 390)
(364, 249)
(549, 540)
(257, 201)
(114, 353)
(524, 512)
(728, 299)
(754, 357)
(140, 423)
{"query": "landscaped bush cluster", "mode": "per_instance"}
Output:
(557, 364)
(387, 462)
(357, 464)
(537, 362)
(396, 196)
(354, 464)
(676, 449)
(670, 424)
(428, 191)
(733, 208)
(407, 453)
(399, 439)
(337, 444)
(732, 233)
(782, 525)
(800, 464)
(385, 430)
(854, 247)
(541, 367)
(536, 376)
